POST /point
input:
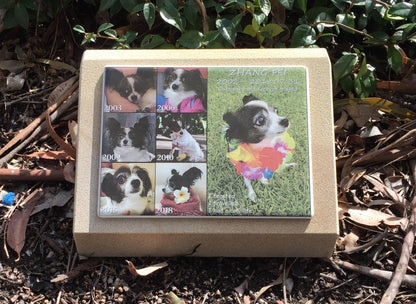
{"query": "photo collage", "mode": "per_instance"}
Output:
(204, 141)
(153, 149)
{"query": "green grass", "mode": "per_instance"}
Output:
(288, 192)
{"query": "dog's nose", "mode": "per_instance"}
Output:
(125, 142)
(135, 184)
(284, 122)
(175, 87)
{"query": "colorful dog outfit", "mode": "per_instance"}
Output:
(188, 105)
(260, 163)
(190, 207)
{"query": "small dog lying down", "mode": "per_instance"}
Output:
(258, 141)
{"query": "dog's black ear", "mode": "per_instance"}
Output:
(144, 177)
(249, 98)
(113, 77)
(112, 124)
(191, 175)
(142, 124)
(174, 172)
(174, 126)
(147, 75)
(169, 70)
(235, 126)
(111, 188)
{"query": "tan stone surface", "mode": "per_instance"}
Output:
(160, 236)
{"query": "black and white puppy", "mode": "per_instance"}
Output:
(176, 181)
(257, 125)
(184, 90)
(133, 87)
(130, 190)
(127, 144)
(186, 145)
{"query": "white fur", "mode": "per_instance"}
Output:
(186, 144)
(126, 154)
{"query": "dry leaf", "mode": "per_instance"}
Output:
(16, 228)
(60, 278)
(278, 281)
(51, 200)
(242, 287)
(146, 270)
(73, 131)
(351, 239)
(362, 113)
(69, 172)
(174, 299)
(369, 217)
(379, 186)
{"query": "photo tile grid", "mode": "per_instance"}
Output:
(153, 146)
(157, 129)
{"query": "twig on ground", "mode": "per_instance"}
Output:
(382, 275)
(31, 175)
(407, 247)
(34, 125)
(375, 240)
(65, 106)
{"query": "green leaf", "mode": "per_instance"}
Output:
(106, 4)
(190, 11)
(9, 20)
(149, 13)
(152, 41)
(111, 33)
(341, 4)
(249, 30)
(346, 19)
(379, 37)
(128, 5)
(301, 4)
(265, 6)
(409, 30)
(344, 66)
(210, 37)
(191, 39)
(394, 58)
(271, 30)
(21, 15)
(303, 35)
(130, 36)
(401, 9)
(323, 17)
(79, 28)
(288, 4)
(227, 29)
(366, 85)
(170, 14)
(104, 26)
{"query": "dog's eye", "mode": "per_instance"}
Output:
(121, 179)
(260, 121)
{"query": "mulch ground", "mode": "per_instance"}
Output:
(375, 143)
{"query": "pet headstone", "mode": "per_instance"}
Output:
(209, 152)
